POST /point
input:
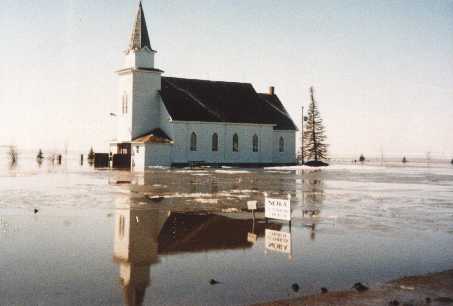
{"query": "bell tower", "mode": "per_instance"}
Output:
(138, 108)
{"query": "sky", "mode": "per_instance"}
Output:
(382, 70)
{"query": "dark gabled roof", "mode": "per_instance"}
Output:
(140, 36)
(273, 100)
(212, 101)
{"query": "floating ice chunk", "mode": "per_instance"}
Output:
(232, 171)
(207, 201)
(157, 167)
(407, 287)
(230, 210)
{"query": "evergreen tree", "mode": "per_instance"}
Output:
(91, 154)
(13, 156)
(362, 158)
(40, 155)
(315, 147)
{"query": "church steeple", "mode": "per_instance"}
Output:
(140, 36)
(140, 83)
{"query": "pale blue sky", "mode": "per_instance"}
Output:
(382, 70)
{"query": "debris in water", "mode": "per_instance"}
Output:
(36, 211)
(324, 290)
(311, 212)
(213, 282)
(295, 287)
(360, 287)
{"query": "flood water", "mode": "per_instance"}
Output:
(158, 238)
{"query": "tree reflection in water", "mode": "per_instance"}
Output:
(313, 197)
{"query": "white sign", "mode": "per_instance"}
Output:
(278, 241)
(251, 237)
(251, 205)
(277, 208)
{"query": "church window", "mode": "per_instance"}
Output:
(215, 142)
(121, 225)
(235, 143)
(193, 142)
(124, 105)
(255, 143)
(281, 145)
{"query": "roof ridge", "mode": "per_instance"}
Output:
(212, 81)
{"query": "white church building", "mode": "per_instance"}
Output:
(166, 121)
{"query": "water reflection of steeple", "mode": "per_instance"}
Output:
(135, 249)
(142, 235)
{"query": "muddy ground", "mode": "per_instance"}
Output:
(432, 289)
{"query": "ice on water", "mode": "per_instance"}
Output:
(375, 223)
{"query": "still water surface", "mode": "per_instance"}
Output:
(114, 238)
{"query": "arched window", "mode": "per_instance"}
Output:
(255, 143)
(121, 225)
(215, 142)
(281, 145)
(124, 105)
(235, 143)
(193, 142)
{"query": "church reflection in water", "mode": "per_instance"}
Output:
(136, 249)
(142, 235)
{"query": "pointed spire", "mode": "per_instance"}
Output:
(140, 36)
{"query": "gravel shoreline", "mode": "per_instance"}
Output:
(432, 289)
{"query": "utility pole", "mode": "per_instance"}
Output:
(382, 156)
(302, 137)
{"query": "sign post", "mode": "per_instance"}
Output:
(252, 237)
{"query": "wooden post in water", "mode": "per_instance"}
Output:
(81, 159)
